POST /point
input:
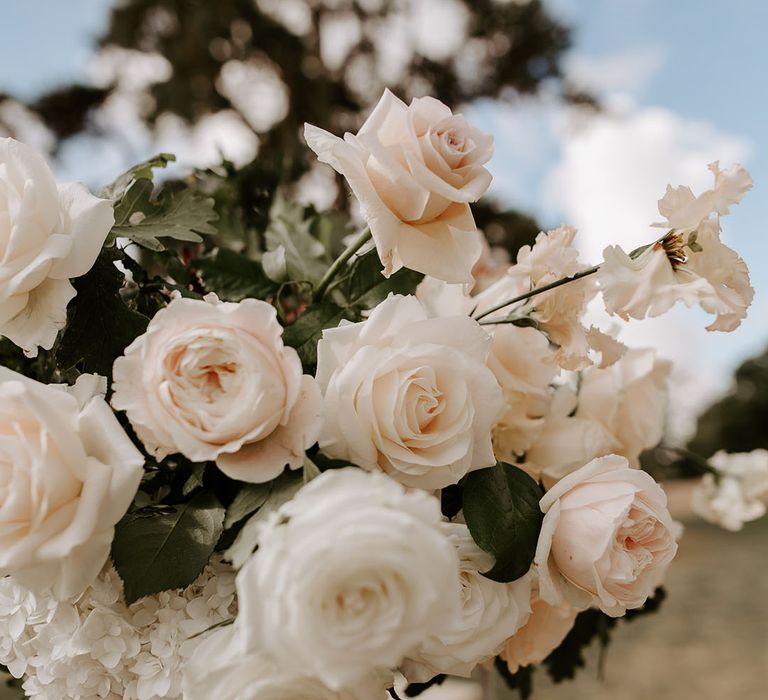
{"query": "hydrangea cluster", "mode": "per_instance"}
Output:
(94, 646)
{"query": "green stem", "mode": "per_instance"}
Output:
(339, 263)
(694, 459)
(538, 290)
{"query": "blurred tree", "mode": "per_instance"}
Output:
(259, 69)
(737, 422)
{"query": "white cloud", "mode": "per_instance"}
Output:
(627, 71)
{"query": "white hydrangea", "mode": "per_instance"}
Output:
(94, 646)
(737, 494)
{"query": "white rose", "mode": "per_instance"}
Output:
(219, 668)
(409, 395)
(68, 473)
(49, 234)
(607, 538)
(214, 381)
(415, 168)
(491, 612)
(349, 577)
(545, 630)
(737, 494)
(689, 264)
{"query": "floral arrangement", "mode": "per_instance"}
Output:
(299, 462)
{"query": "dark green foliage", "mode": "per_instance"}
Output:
(99, 323)
(233, 276)
(501, 508)
(521, 680)
(415, 689)
(163, 547)
(306, 331)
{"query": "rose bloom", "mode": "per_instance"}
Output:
(49, 233)
(544, 632)
(689, 264)
(737, 494)
(349, 577)
(618, 410)
(220, 669)
(491, 612)
(524, 365)
(408, 394)
(415, 168)
(68, 473)
(213, 381)
(607, 538)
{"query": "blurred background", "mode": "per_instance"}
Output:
(595, 106)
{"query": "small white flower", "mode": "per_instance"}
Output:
(737, 494)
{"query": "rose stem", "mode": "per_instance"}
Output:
(538, 290)
(339, 263)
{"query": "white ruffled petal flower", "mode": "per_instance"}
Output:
(690, 264)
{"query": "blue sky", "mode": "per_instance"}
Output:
(683, 83)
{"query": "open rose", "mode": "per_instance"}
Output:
(49, 233)
(214, 381)
(415, 168)
(348, 578)
(68, 473)
(409, 395)
(607, 538)
(490, 613)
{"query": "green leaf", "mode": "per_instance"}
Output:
(366, 287)
(142, 171)
(194, 480)
(501, 509)
(290, 228)
(282, 490)
(249, 498)
(178, 214)
(310, 470)
(157, 550)
(99, 324)
(233, 276)
(306, 331)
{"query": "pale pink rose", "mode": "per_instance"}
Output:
(409, 395)
(545, 630)
(607, 538)
(49, 234)
(619, 409)
(524, 365)
(558, 312)
(567, 441)
(689, 264)
(213, 381)
(415, 169)
(68, 473)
